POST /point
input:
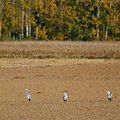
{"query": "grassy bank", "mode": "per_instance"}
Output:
(30, 49)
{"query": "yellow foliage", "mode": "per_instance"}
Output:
(96, 21)
(93, 32)
(0, 25)
(41, 33)
(60, 36)
(33, 20)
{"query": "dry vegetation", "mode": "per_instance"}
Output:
(57, 49)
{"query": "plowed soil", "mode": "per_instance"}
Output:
(86, 82)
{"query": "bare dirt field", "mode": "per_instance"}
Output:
(86, 82)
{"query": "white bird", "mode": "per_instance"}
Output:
(109, 95)
(65, 97)
(27, 94)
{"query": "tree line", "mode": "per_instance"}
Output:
(60, 19)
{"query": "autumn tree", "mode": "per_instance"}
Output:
(60, 19)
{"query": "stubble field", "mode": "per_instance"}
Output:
(86, 82)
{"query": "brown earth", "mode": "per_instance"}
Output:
(86, 82)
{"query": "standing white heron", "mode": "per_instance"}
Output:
(65, 97)
(109, 95)
(27, 94)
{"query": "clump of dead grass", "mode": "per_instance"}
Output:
(66, 49)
